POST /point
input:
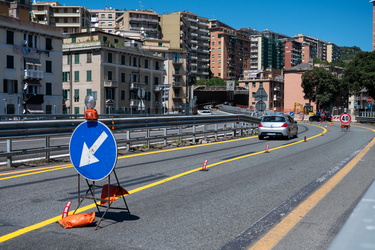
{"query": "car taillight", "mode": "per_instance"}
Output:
(284, 125)
(260, 125)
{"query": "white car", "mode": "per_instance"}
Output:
(204, 112)
(277, 126)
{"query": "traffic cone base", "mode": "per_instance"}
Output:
(266, 150)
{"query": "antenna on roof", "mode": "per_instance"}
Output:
(140, 5)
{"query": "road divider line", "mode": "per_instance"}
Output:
(85, 208)
(276, 234)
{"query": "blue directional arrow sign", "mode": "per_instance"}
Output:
(93, 150)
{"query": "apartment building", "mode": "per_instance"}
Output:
(174, 89)
(143, 21)
(71, 19)
(105, 19)
(266, 53)
(31, 67)
(292, 53)
(316, 48)
(230, 51)
(189, 31)
(266, 88)
(118, 73)
(16, 8)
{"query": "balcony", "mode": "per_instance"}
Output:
(178, 84)
(32, 74)
(137, 85)
(134, 102)
(157, 88)
(76, 14)
(110, 84)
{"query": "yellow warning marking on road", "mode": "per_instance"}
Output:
(55, 219)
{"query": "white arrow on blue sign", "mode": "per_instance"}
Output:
(93, 150)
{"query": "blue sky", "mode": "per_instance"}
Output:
(343, 22)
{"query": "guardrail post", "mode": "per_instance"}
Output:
(148, 136)
(216, 128)
(234, 129)
(205, 130)
(48, 143)
(9, 149)
(180, 133)
(165, 137)
(128, 139)
(194, 131)
(225, 130)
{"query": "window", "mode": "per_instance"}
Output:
(49, 109)
(10, 37)
(88, 75)
(102, 15)
(89, 93)
(66, 76)
(76, 95)
(109, 75)
(48, 88)
(89, 57)
(109, 23)
(76, 76)
(122, 60)
(10, 62)
(110, 57)
(10, 86)
(146, 63)
(68, 59)
(74, 39)
(109, 15)
(122, 94)
(156, 80)
(122, 77)
(49, 66)
(157, 67)
(66, 94)
(134, 62)
(146, 80)
(76, 110)
(76, 58)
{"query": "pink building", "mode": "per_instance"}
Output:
(293, 90)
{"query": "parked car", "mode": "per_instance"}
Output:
(320, 117)
(280, 125)
(204, 112)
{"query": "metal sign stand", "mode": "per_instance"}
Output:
(108, 205)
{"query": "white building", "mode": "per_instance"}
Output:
(31, 67)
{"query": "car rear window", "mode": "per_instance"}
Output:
(273, 119)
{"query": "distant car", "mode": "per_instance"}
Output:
(204, 112)
(280, 125)
(320, 117)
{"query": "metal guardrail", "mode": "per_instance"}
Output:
(14, 130)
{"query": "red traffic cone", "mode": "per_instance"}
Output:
(266, 150)
(204, 166)
(322, 134)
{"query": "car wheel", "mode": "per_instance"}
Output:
(261, 137)
(288, 136)
(310, 119)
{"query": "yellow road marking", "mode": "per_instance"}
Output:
(55, 219)
(273, 237)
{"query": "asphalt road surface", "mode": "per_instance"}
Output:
(296, 196)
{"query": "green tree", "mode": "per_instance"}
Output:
(320, 86)
(360, 73)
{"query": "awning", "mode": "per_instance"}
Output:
(34, 109)
(33, 61)
(33, 83)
